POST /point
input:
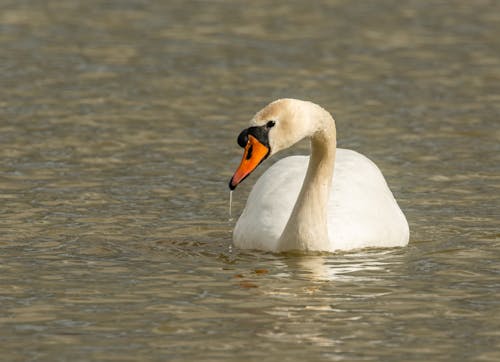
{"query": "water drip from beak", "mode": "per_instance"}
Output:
(230, 204)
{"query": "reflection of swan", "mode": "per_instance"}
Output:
(342, 267)
(291, 206)
(317, 268)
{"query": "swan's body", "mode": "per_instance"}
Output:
(336, 199)
(361, 209)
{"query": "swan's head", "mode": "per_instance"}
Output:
(276, 127)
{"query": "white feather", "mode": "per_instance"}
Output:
(337, 199)
(362, 211)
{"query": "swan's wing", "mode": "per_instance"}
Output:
(270, 204)
(362, 211)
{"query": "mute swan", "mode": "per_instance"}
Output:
(336, 199)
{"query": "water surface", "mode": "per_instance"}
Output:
(118, 123)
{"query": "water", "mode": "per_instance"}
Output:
(118, 126)
(231, 205)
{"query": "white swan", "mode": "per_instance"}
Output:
(336, 199)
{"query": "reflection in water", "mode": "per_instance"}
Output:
(118, 123)
(342, 267)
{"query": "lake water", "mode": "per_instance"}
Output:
(118, 126)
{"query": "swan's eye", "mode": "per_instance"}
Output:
(270, 124)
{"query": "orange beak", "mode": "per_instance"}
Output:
(255, 153)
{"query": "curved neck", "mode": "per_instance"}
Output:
(307, 228)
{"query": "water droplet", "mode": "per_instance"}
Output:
(230, 205)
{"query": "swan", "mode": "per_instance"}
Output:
(334, 199)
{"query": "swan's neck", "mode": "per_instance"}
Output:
(307, 227)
